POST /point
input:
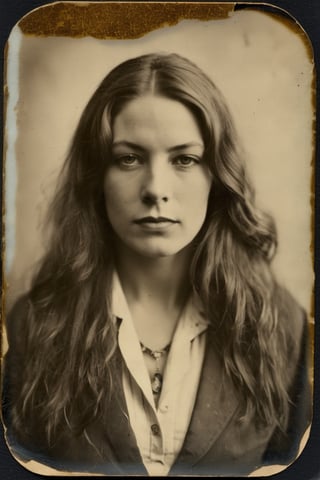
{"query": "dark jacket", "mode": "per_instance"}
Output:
(216, 442)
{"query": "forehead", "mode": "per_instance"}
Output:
(152, 118)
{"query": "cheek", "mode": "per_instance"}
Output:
(197, 195)
(116, 193)
(113, 201)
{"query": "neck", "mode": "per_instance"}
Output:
(160, 280)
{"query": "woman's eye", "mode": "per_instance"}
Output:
(186, 160)
(129, 160)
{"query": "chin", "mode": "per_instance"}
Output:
(158, 250)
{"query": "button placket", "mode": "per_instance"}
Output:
(156, 446)
(166, 414)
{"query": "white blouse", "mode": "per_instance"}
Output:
(160, 431)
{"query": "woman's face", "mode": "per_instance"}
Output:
(157, 185)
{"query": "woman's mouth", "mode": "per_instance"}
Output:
(156, 223)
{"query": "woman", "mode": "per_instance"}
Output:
(155, 338)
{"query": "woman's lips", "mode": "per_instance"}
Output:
(155, 220)
(156, 223)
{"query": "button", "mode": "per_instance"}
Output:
(155, 429)
(164, 408)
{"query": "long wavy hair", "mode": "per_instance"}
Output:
(72, 338)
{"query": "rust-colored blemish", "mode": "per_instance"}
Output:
(118, 20)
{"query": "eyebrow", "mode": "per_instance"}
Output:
(135, 146)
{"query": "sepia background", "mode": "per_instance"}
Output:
(265, 72)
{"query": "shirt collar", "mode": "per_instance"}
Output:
(192, 321)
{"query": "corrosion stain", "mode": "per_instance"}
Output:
(124, 20)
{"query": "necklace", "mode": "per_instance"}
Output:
(157, 379)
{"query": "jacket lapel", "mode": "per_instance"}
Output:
(118, 429)
(215, 404)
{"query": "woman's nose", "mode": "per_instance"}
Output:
(155, 188)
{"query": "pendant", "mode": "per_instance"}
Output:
(156, 383)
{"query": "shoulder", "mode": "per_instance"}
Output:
(294, 327)
(16, 325)
(291, 316)
(16, 320)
